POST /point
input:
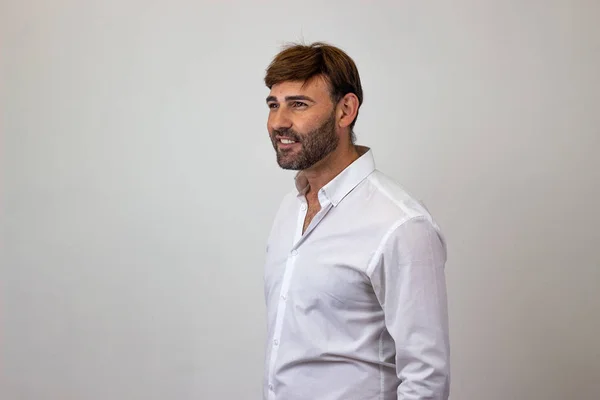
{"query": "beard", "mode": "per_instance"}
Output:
(314, 145)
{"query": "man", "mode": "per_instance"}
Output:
(354, 275)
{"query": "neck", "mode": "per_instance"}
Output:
(328, 168)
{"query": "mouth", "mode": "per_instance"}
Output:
(285, 143)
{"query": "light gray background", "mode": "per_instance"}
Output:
(138, 186)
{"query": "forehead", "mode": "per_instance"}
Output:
(317, 88)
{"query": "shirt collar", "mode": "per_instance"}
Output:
(336, 189)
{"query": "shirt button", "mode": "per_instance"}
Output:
(294, 253)
(276, 342)
(271, 387)
(283, 297)
(303, 207)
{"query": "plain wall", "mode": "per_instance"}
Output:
(138, 186)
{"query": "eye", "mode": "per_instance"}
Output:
(298, 104)
(273, 105)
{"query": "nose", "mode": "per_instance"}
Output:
(279, 119)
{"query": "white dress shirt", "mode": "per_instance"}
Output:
(356, 305)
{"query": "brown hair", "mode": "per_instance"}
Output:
(300, 62)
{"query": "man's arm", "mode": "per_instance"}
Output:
(407, 274)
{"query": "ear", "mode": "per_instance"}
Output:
(347, 109)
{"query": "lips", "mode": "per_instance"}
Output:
(285, 139)
(285, 142)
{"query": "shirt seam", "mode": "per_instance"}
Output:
(385, 239)
(410, 212)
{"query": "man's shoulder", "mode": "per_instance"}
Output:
(393, 197)
(398, 207)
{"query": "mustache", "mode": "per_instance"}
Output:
(288, 134)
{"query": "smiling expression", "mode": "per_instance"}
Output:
(302, 123)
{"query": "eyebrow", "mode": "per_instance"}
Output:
(291, 98)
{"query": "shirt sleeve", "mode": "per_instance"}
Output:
(408, 277)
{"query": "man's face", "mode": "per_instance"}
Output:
(301, 123)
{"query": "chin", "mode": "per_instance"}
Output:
(287, 165)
